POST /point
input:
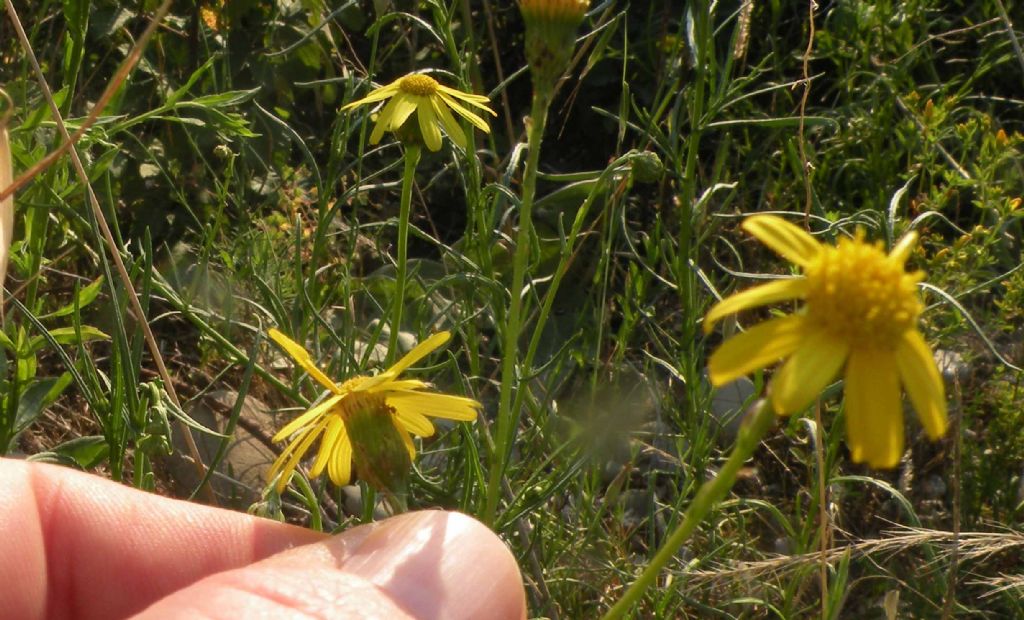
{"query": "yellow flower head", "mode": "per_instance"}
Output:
(861, 310)
(570, 10)
(550, 37)
(400, 399)
(432, 103)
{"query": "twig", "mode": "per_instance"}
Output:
(1009, 31)
(805, 166)
(954, 558)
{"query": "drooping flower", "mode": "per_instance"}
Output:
(860, 312)
(433, 104)
(401, 401)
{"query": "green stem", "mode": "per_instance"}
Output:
(510, 347)
(759, 420)
(412, 157)
(688, 190)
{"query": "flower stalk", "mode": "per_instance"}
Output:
(550, 38)
(510, 346)
(759, 420)
(412, 158)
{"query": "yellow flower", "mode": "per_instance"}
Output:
(550, 37)
(400, 399)
(861, 310)
(572, 10)
(431, 101)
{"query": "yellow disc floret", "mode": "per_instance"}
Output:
(418, 84)
(862, 296)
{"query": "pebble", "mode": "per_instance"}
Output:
(727, 407)
(952, 366)
(354, 503)
(933, 487)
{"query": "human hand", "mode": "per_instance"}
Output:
(79, 546)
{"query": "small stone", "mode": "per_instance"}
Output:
(658, 448)
(783, 545)
(727, 406)
(952, 366)
(241, 475)
(636, 507)
(354, 503)
(933, 487)
(684, 554)
(406, 340)
(376, 356)
(610, 471)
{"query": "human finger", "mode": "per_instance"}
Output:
(79, 546)
(429, 564)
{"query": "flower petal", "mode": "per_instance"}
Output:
(451, 127)
(874, 413)
(384, 120)
(435, 405)
(401, 385)
(479, 101)
(404, 106)
(480, 123)
(407, 440)
(335, 426)
(787, 240)
(923, 383)
(294, 453)
(386, 379)
(307, 418)
(414, 422)
(418, 352)
(428, 126)
(377, 94)
(339, 466)
(811, 367)
(302, 358)
(756, 348)
(901, 251)
(779, 290)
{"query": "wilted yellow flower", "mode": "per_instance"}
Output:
(431, 101)
(385, 394)
(861, 310)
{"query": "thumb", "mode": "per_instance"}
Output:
(428, 564)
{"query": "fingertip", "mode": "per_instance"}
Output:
(438, 564)
(428, 565)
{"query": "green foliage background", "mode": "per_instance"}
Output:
(240, 199)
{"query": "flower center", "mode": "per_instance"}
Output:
(420, 85)
(860, 295)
